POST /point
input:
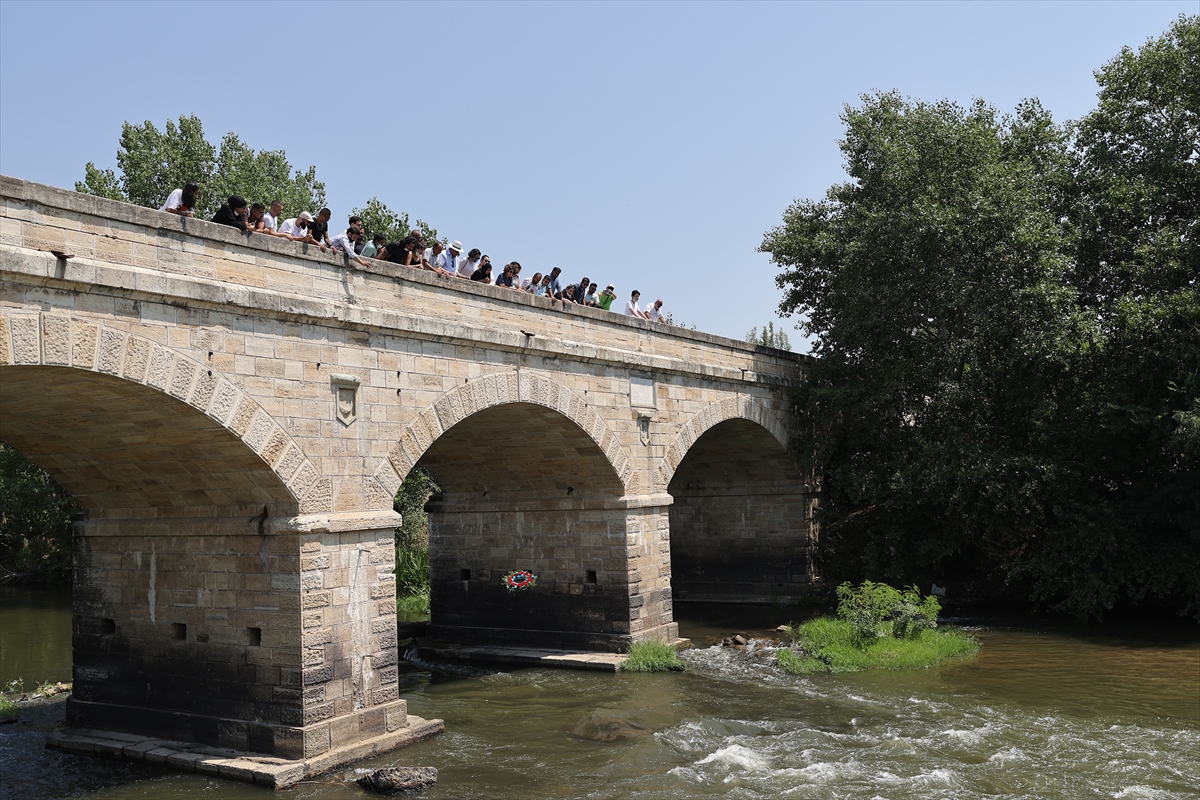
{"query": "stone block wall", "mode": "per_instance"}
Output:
(187, 629)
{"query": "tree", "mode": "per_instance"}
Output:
(35, 522)
(152, 163)
(263, 176)
(769, 337)
(378, 218)
(1008, 325)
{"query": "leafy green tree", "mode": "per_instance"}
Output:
(35, 521)
(100, 182)
(263, 176)
(378, 218)
(1007, 319)
(768, 336)
(151, 163)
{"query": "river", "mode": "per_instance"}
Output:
(1045, 711)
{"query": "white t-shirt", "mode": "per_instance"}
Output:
(290, 227)
(269, 222)
(174, 200)
(430, 257)
(631, 308)
(656, 315)
(466, 267)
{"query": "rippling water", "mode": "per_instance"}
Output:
(1044, 712)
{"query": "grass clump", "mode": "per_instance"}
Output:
(413, 605)
(877, 627)
(8, 708)
(653, 657)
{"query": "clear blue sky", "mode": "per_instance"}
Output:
(647, 145)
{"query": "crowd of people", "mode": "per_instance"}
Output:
(410, 251)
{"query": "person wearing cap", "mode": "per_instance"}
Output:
(631, 308)
(447, 262)
(296, 229)
(346, 241)
(605, 300)
(655, 314)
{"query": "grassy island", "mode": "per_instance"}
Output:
(876, 627)
(653, 657)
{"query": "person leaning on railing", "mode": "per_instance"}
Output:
(183, 201)
(345, 243)
(232, 212)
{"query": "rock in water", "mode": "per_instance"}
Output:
(605, 726)
(404, 780)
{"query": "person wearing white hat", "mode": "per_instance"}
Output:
(447, 262)
(296, 229)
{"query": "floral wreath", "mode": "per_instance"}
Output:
(521, 579)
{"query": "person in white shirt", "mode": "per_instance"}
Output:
(345, 242)
(631, 308)
(468, 265)
(270, 220)
(432, 253)
(654, 313)
(447, 262)
(296, 229)
(183, 201)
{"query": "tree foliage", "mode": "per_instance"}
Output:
(1008, 323)
(768, 336)
(35, 521)
(378, 218)
(152, 163)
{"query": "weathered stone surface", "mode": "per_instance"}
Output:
(399, 780)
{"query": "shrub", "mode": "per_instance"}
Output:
(876, 609)
(653, 657)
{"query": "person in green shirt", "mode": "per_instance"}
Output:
(374, 246)
(606, 297)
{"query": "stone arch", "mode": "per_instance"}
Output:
(736, 407)
(498, 389)
(63, 341)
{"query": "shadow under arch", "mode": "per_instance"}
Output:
(500, 389)
(72, 381)
(740, 521)
(527, 485)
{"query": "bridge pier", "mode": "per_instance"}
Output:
(274, 635)
(603, 580)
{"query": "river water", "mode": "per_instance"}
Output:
(1045, 711)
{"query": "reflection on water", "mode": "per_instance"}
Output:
(35, 635)
(1044, 712)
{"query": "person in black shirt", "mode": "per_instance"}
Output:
(319, 227)
(484, 273)
(233, 213)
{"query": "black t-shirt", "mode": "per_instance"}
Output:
(225, 216)
(480, 275)
(397, 252)
(504, 280)
(318, 229)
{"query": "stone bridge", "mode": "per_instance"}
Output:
(236, 413)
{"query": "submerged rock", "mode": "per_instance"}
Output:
(604, 726)
(402, 780)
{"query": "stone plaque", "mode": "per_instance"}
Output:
(641, 393)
